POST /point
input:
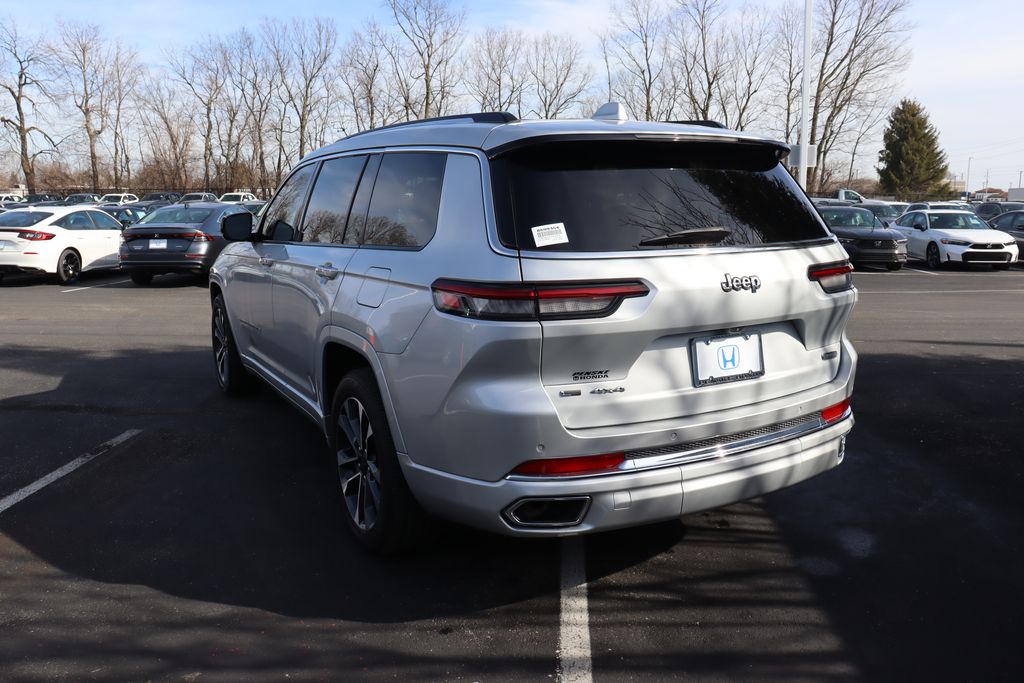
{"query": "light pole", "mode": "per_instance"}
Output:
(967, 182)
(805, 96)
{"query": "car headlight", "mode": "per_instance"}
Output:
(1009, 244)
(955, 243)
(902, 241)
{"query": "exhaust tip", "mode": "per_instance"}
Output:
(547, 512)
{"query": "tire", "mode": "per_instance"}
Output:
(378, 507)
(932, 257)
(69, 267)
(141, 278)
(233, 378)
(894, 266)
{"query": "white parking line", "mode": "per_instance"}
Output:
(13, 499)
(574, 664)
(102, 284)
(943, 291)
(926, 272)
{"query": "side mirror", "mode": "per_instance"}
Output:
(125, 224)
(922, 228)
(237, 227)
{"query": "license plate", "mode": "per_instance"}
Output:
(727, 359)
(158, 244)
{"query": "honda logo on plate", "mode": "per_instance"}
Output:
(728, 357)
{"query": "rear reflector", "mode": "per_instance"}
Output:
(836, 412)
(833, 277)
(532, 301)
(561, 467)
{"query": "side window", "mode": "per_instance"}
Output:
(905, 220)
(1018, 221)
(79, 220)
(406, 199)
(1002, 222)
(331, 200)
(280, 222)
(104, 221)
(920, 221)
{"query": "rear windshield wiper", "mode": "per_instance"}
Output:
(689, 236)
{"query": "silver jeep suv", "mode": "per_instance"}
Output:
(544, 327)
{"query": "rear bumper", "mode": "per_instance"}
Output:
(18, 262)
(166, 265)
(624, 500)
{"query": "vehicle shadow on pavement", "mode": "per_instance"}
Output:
(235, 502)
(913, 545)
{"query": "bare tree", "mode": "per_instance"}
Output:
(784, 87)
(364, 72)
(497, 72)
(168, 130)
(432, 33)
(201, 71)
(858, 52)
(749, 62)
(22, 67)
(699, 44)
(125, 75)
(559, 75)
(638, 50)
(81, 62)
(302, 52)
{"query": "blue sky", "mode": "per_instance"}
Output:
(967, 67)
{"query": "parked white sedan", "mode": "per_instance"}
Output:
(237, 198)
(61, 240)
(118, 199)
(940, 237)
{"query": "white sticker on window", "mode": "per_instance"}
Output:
(553, 233)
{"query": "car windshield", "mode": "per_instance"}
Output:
(882, 210)
(625, 195)
(111, 198)
(848, 218)
(22, 219)
(178, 214)
(1012, 206)
(153, 197)
(956, 221)
(232, 197)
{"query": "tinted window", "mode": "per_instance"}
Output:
(919, 221)
(610, 196)
(22, 219)
(282, 216)
(859, 218)
(232, 197)
(178, 214)
(882, 210)
(956, 221)
(1003, 221)
(405, 201)
(1012, 206)
(331, 200)
(104, 221)
(78, 220)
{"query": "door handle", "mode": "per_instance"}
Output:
(326, 271)
(264, 261)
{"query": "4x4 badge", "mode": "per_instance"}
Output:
(734, 284)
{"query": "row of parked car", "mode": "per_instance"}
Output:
(938, 233)
(160, 237)
(127, 207)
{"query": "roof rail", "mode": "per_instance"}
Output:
(700, 122)
(478, 117)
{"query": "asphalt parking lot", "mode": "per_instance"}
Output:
(206, 543)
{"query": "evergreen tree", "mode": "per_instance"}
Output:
(912, 165)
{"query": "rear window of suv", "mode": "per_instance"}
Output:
(611, 196)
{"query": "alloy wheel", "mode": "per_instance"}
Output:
(220, 344)
(70, 266)
(357, 464)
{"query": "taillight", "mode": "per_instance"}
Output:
(35, 236)
(532, 301)
(564, 467)
(833, 277)
(202, 237)
(836, 412)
